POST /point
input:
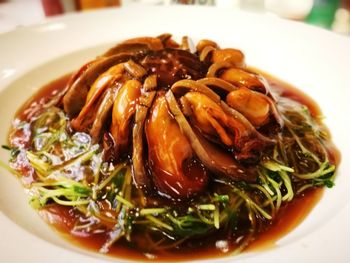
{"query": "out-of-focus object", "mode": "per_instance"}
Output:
(190, 2)
(346, 4)
(56, 7)
(291, 9)
(92, 4)
(323, 13)
(252, 5)
(341, 22)
(145, 2)
(16, 13)
(52, 7)
(227, 3)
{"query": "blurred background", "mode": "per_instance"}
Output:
(330, 14)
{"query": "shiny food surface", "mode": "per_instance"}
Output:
(245, 159)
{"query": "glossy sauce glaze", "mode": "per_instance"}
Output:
(64, 218)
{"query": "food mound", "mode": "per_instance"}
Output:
(186, 115)
(166, 148)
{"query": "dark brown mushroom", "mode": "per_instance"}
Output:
(140, 177)
(103, 112)
(171, 65)
(240, 77)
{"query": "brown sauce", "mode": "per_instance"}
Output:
(41, 97)
(289, 91)
(290, 215)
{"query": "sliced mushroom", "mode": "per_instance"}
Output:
(140, 177)
(88, 113)
(187, 45)
(214, 122)
(206, 43)
(185, 140)
(183, 86)
(164, 37)
(175, 171)
(103, 112)
(256, 141)
(233, 56)
(104, 81)
(167, 41)
(240, 77)
(136, 46)
(204, 54)
(77, 92)
(216, 68)
(214, 158)
(218, 85)
(190, 63)
(123, 110)
(150, 83)
(171, 65)
(224, 165)
(83, 122)
(134, 69)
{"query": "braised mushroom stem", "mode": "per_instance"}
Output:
(218, 84)
(182, 86)
(103, 112)
(233, 56)
(140, 176)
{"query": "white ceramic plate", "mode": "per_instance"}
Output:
(314, 60)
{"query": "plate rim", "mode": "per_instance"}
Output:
(68, 19)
